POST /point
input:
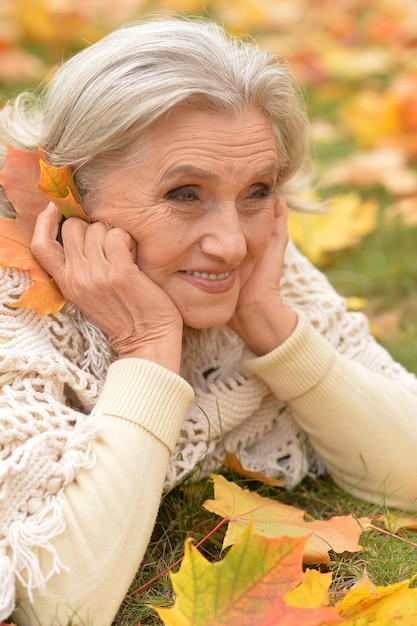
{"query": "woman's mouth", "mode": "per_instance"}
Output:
(209, 276)
(210, 282)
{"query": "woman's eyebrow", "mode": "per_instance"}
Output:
(193, 170)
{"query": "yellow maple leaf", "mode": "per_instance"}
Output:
(370, 116)
(313, 591)
(348, 219)
(272, 519)
(380, 606)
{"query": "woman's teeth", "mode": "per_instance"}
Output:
(209, 276)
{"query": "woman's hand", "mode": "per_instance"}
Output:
(261, 319)
(96, 270)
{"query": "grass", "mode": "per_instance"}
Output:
(382, 270)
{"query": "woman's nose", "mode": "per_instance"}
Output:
(224, 238)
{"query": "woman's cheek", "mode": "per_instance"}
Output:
(261, 233)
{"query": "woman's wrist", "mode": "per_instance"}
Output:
(271, 328)
(166, 352)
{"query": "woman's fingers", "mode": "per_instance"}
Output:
(119, 247)
(45, 248)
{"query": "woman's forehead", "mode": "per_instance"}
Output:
(187, 135)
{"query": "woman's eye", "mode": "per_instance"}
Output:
(259, 192)
(183, 194)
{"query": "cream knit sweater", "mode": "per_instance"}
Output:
(87, 443)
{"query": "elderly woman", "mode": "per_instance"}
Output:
(191, 326)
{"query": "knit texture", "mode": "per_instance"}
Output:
(53, 368)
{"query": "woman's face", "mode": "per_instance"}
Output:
(200, 207)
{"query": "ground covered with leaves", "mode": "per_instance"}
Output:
(356, 61)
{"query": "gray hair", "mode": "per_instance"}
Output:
(94, 112)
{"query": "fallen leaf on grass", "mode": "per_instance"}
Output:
(274, 519)
(313, 591)
(383, 166)
(349, 218)
(384, 324)
(249, 586)
(232, 462)
(394, 522)
(380, 606)
(405, 209)
(18, 65)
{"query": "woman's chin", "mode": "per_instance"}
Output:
(206, 320)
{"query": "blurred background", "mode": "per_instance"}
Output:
(356, 61)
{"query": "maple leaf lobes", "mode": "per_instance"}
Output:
(273, 519)
(247, 587)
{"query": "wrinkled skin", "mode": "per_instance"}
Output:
(198, 237)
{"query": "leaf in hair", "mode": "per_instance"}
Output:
(57, 185)
(29, 193)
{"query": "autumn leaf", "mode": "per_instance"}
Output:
(57, 185)
(19, 178)
(383, 166)
(18, 65)
(249, 586)
(380, 606)
(313, 591)
(370, 116)
(43, 296)
(404, 209)
(274, 519)
(348, 219)
(232, 462)
(395, 522)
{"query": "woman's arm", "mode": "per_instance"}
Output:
(362, 424)
(110, 509)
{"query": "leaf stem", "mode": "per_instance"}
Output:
(390, 534)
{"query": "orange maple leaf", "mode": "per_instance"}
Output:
(273, 519)
(232, 462)
(29, 192)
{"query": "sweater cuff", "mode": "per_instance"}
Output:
(147, 394)
(297, 365)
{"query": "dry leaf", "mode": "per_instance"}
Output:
(247, 587)
(380, 606)
(394, 522)
(348, 220)
(313, 591)
(19, 179)
(19, 65)
(57, 184)
(405, 209)
(384, 166)
(274, 519)
(232, 462)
